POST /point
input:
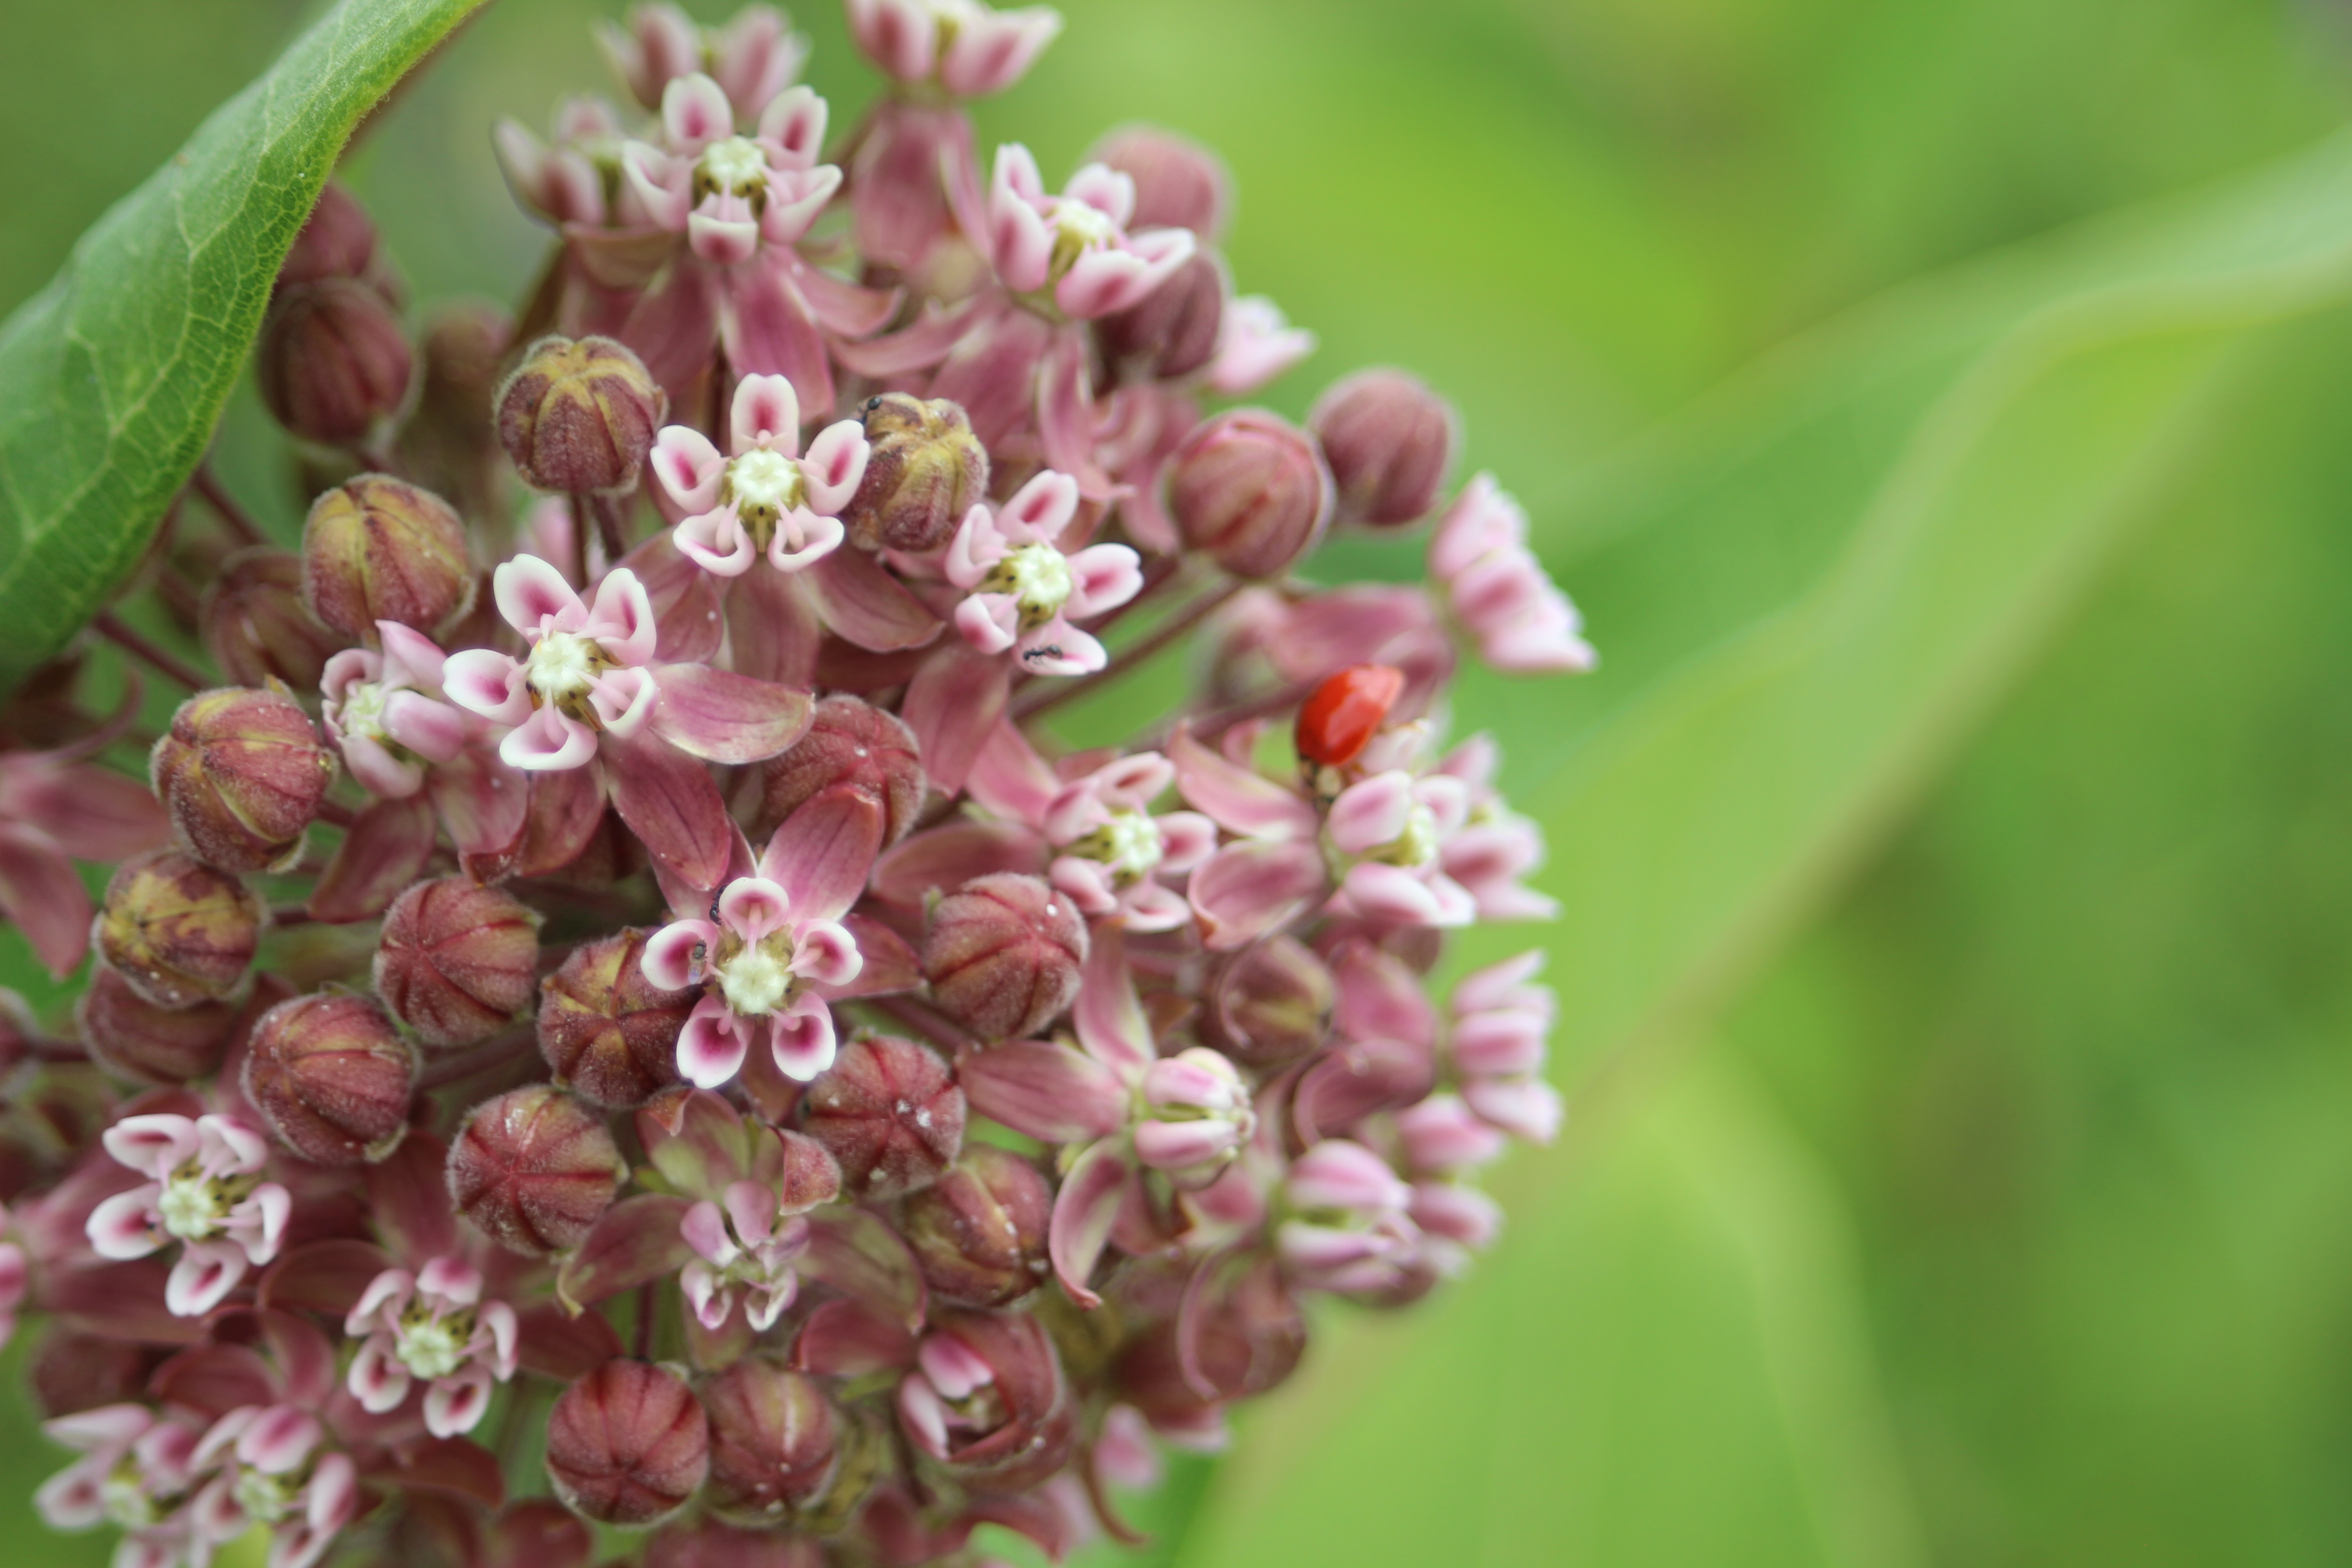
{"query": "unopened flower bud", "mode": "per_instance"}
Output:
(338, 241)
(980, 1232)
(377, 549)
(241, 774)
(255, 626)
(924, 469)
(774, 1442)
(458, 961)
(534, 1169)
(578, 417)
(1250, 1337)
(1003, 954)
(987, 1400)
(853, 745)
(1179, 184)
(1269, 1005)
(1389, 440)
(1251, 490)
(333, 359)
(889, 1111)
(1200, 1116)
(134, 1038)
(627, 1444)
(178, 932)
(332, 1077)
(1173, 330)
(609, 1033)
(1441, 1136)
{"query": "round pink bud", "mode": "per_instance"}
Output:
(850, 745)
(578, 417)
(458, 962)
(1179, 184)
(333, 360)
(980, 1232)
(534, 1170)
(241, 773)
(889, 1112)
(627, 1444)
(773, 1441)
(379, 549)
(132, 1037)
(338, 241)
(1269, 1005)
(177, 930)
(609, 1033)
(924, 469)
(332, 1077)
(1249, 488)
(1173, 330)
(255, 626)
(1389, 440)
(1003, 954)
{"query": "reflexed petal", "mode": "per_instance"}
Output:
(993, 50)
(533, 597)
(623, 619)
(765, 414)
(1370, 814)
(793, 123)
(485, 681)
(864, 604)
(434, 730)
(202, 1278)
(668, 957)
(899, 35)
(694, 112)
(688, 467)
(1047, 1091)
(1248, 890)
(380, 773)
(818, 537)
(1240, 800)
(709, 1049)
(723, 717)
(42, 892)
(802, 1037)
(547, 740)
(1084, 1211)
(952, 704)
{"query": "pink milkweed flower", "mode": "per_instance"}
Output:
(748, 1249)
(431, 1326)
(205, 1190)
(135, 1473)
(967, 48)
(1255, 343)
(726, 192)
(1350, 1230)
(383, 711)
(772, 934)
(273, 1473)
(1024, 591)
(1075, 248)
(16, 1279)
(1495, 848)
(765, 497)
(562, 179)
(1500, 1026)
(754, 56)
(584, 672)
(1499, 592)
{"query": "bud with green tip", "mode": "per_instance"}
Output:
(380, 549)
(458, 962)
(578, 417)
(332, 1077)
(924, 469)
(241, 773)
(178, 931)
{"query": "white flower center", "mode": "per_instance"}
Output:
(1038, 579)
(1129, 844)
(763, 485)
(191, 1206)
(362, 712)
(1414, 848)
(1078, 229)
(563, 665)
(123, 1497)
(266, 1499)
(734, 164)
(434, 1347)
(759, 979)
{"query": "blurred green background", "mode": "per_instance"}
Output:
(1998, 1209)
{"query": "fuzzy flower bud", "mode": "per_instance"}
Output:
(891, 1112)
(980, 1232)
(987, 1399)
(579, 416)
(1389, 440)
(1175, 330)
(1251, 490)
(609, 1033)
(1179, 184)
(924, 470)
(241, 773)
(134, 1038)
(774, 1441)
(1270, 1003)
(1200, 1116)
(338, 241)
(1003, 954)
(178, 932)
(850, 746)
(377, 549)
(627, 1444)
(534, 1170)
(332, 1077)
(458, 961)
(255, 626)
(333, 360)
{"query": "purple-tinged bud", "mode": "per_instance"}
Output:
(333, 360)
(178, 932)
(627, 1444)
(851, 745)
(1440, 1136)
(889, 1111)
(338, 241)
(773, 1441)
(1269, 1005)
(132, 1037)
(458, 961)
(924, 469)
(1250, 1337)
(1389, 440)
(979, 1234)
(1249, 488)
(609, 1033)
(1200, 1116)
(986, 1399)
(1003, 954)
(255, 626)
(534, 1170)
(241, 773)
(332, 1077)
(578, 417)
(1179, 184)
(378, 549)
(1173, 331)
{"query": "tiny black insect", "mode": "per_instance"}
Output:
(872, 403)
(1051, 650)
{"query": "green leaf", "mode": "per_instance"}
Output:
(112, 377)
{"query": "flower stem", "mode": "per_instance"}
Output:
(1166, 635)
(238, 521)
(161, 660)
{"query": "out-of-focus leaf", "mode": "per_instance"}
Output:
(112, 377)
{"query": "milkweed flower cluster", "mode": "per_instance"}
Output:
(622, 969)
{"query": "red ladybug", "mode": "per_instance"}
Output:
(1339, 720)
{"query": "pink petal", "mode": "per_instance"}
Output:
(802, 1037)
(547, 740)
(835, 466)
(485, 681)
(668, 957)
(767, 329)
(1239, 799)
(897, 35)
(1109, 1014)
(434, 730)
(1370, 814)
(953, 702)
(1525, 1108)
(694, 112)
(1392, 894)
(993, 50)
(865, 605)
(1083, 1212)
(947, 857)
(533, 597)
(669, 801)
(710, 1049)
(765, 414)
(688, 467)
(1379, 998)
(794, 125)
(1175, 1145)
(42, 892)
(722, 717)
(1048, 1092)
(775, 628)
(1251, 889)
